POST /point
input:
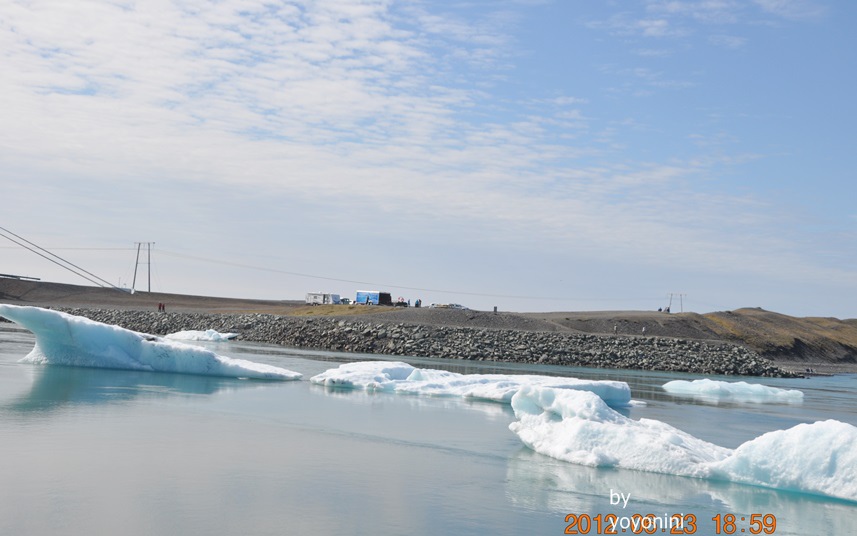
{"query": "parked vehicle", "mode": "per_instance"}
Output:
(373, 297)
(448, 306)
(322, 298)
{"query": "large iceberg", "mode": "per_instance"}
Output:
(578, 427)
(717, 391)
(398, 377)
(64, 339)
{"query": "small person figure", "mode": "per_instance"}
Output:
(644, 330)
(615, 329)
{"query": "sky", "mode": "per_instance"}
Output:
(525, 154)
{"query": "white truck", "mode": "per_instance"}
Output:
(322, 298)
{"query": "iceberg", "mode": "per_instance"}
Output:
(733, 391)
(398, 377)
(207, 335)
(578, 427)
(64, 339)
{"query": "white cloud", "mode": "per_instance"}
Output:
(628, 24)
(680, 19)
(793, 9)
(346, 105)
(728, 41)
(654, 27)
(653, 52)
(706, 11)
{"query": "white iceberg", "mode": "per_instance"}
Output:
(733, 391)
(207, 335)
(578, 427)
(64, 339)
(398, 377)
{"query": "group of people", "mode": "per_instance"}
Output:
(162, 307)
(401, 302)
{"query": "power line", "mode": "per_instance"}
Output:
(60, 262)
(78, 249)
(386, 285)
(297, 274)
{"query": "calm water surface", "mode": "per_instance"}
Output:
(93, 451)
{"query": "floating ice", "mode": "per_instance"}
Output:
(64, 339)
(578, 427)
(207, 335)
(818, 457)
(733, 391)
(403, 378)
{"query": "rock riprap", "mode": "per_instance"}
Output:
(447, 342)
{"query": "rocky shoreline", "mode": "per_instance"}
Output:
(359, 335)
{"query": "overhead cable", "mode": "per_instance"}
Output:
(56, 259)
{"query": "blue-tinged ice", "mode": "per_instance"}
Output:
(717, 391)
(64, 339)
(403, 378)
(207, 335)
(578, 427)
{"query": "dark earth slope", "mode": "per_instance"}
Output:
(774, 336)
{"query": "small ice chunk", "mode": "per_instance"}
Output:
(207, 335)
(733, 391)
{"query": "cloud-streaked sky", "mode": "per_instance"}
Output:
(534, 155)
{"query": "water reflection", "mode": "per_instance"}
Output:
(730, 402)
(535, 481)
(493, 410)
(55, 387)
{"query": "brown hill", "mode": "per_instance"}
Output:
(776, 336)
(44, 294)
(773, 335)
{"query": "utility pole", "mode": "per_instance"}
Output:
(148, 262)
(680, 298)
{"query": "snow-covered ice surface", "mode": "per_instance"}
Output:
(578, 427)
(207, 335)
(717, 391)
(403, 378)
(64, 339)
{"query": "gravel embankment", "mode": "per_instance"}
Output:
(359, 334)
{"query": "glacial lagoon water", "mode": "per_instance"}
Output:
(99, 451)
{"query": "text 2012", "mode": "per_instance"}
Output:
(667, 524)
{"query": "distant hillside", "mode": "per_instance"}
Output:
(773, 335)
(776, 335)
(46, 294)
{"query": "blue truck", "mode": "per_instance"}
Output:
(373, 297)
